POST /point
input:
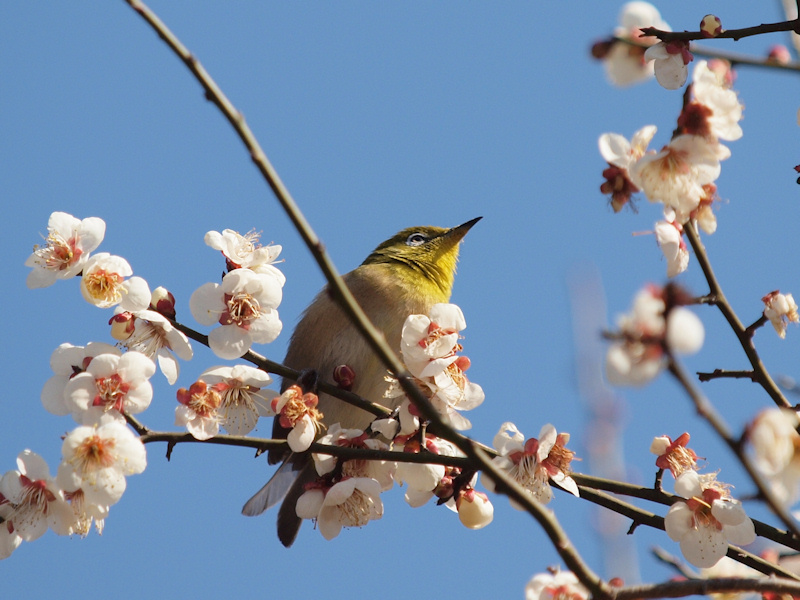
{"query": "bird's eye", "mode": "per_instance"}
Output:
(416, 239)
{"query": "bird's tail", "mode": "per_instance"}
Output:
(287, 484)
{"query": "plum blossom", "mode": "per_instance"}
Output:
(781, 310)
(380, 470)
(707, 521)
(533, 462)
(244, 306)
(775, 444)
(197, 410)
(475, 511)
(111, 384)
(352, 502)
(152, 334)
(624, 63)
(638, 356)
(243, 399)
(674, 455)
(429, 345)
(670, 62)
(426, 480)
(677, 173)
(559, 585)
(621, 156)
(245, 251)
(669, 236)
(67, 246)
(715, 110)
(97, 459)
(298, 412)
(104, 284)
(66, 362)
(84, 512)
(31, 501)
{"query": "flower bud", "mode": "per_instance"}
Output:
(344, 376)
(162, 301)
(710, 26)
(122, 326)
(474, 509)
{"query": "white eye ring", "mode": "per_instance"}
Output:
(416, 239)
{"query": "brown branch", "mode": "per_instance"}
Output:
(704, 587)
(761, 375)
(731, 34)
(706, 410)
(724, 374)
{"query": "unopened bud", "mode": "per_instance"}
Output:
(474, 509)
(344, 376)
(710, 26)
(122, 326)
(162, 301)
(601, 49)
(779, 55)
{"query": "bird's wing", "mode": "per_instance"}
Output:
(275, 489)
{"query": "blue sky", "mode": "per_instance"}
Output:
(378, 117)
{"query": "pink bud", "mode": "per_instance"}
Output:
(122, 326)
(710, 26)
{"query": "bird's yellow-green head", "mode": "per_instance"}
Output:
(425, 257)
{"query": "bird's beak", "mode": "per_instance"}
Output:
(457, 233)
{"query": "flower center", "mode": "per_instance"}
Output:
(59, 253)
(104, 285)
(240, 309)
(356, 510)
(94, 453)
(111, 392)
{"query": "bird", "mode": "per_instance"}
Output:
(407, 274)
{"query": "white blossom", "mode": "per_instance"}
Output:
(107, 282)
(67, 246)
(244, 306)
(245, 251)
(352, 502)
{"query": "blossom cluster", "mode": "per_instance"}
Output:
(347, 492)
(681, 175)
(657, 324)
(103, 386)
(707, 519)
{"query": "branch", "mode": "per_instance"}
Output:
(706, 410)
(269, 366)
(724, 374)
(732, 34)
(761, 376)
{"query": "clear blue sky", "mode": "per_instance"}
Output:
(377, 117)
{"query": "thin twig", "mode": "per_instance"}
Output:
(706, 410)
(762, 376)
(731, 34)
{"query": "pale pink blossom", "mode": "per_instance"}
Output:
(111, 384)
(781, 310)
(670, 63)
(638, 356)
(31, 501)
(197, 410)
(676, 175)
(352, 502)
(674, 455)
(66, 362)
(669, 236)
(67, 246)
(707, 521)
(153, 335)
(298, 412)
(107, 282)
(775, 444)
(243, 396)
(561, 585)
(245, 251)
(245, 307)
(97, 459)
(534, 462)
(380, 470)
(711, 91)
(625, 64)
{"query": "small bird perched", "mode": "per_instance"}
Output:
(407, 274)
